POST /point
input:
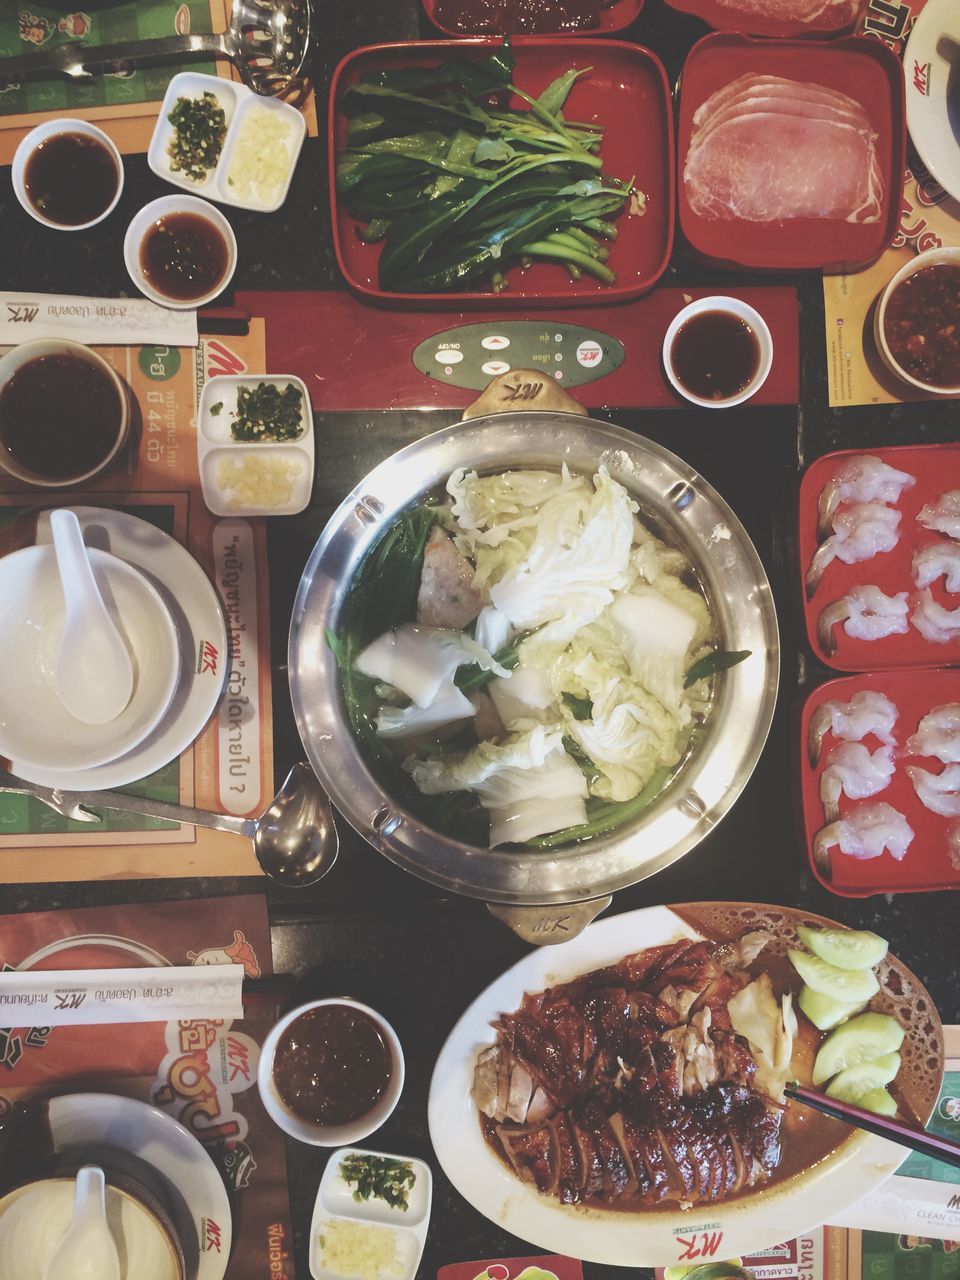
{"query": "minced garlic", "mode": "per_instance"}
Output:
(260, 162)
(252, 483)
(357, 1249)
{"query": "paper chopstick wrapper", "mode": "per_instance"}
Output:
(86, 997)
(131, 322)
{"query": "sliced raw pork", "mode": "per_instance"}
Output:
(827, 14)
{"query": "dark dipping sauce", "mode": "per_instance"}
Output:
(332, 1065)
(922, 325)
(520, 17)
(184, 256)
(715, 355)
(60, 416)
(71, 178)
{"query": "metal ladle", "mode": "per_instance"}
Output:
(267, 41)
(295, 840)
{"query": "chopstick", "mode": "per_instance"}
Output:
(928, 1144)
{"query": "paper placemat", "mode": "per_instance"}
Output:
(929, 218)
(203, 1073)
(230, 766)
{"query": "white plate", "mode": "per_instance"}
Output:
(189, 1182)
(649, 1238)
(193, 604)
(237, 101)
(214, 443)
(927, 74)
(335, 1200)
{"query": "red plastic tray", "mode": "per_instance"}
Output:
(860, 66)
(926, 864)
(626, 90)
(937, 469)
(615, 18)
(724, 18)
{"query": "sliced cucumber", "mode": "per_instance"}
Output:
(859, 1040)
(879, 1102)
(825, 1012)
(842, 984)
(844, 948)
(855, 1082)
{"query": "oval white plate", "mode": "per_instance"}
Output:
(649, 1238)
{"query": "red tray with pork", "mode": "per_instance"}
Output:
(792, 18)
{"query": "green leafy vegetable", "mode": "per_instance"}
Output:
(265, 413)
(199, 128)
(215, 409)
(711, 663)
(379, 1178)
(603, 817)
(580, 708)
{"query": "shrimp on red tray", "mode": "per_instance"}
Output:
(943, 516)
(852, 771)
(866, 712)
(866, 613)
(863, 478)
(865, 832)
(938, 734)
(859, 533)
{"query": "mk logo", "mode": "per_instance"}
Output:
(17, 313)
(69, 999)
(703, 1245)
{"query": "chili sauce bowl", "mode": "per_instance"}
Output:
(931, 258)
(16, 359)
(42, 135)
(731, 307)
(148, 218)
(305, 1128)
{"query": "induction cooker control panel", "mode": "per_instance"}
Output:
(470, 355)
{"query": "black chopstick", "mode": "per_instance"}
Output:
(929, 1144)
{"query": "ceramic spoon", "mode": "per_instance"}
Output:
(86, 1250)
(93, 674)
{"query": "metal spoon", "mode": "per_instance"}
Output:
(267, 41)
(93, 671)
(295, 840)
(87, 1250)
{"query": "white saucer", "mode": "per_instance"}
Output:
(195, 608)
(190, 1186)
(927, 73)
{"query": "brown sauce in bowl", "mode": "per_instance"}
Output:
(715, 355)
(184, 256)
(332, 1065)
(922, 325)
(520, 17)
(71, 178)
(60, 416)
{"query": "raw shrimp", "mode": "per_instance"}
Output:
(863, 833)
(938, 735)
(943, 516)
(939, 558)
(866, 614)
(866, 712)
(860, 479)
(933, 621)
(939, 792)
(860, 532)
(852, 771)
(953, 847)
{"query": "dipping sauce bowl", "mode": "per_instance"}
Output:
(717, 352)
(180, 252)
(67, 174)
(331, 1072)
(917, 322)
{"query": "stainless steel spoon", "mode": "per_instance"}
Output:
(267, 41)
(295, 840)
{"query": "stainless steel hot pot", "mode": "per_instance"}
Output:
(690, 513)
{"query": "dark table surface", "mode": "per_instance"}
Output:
(369, 929)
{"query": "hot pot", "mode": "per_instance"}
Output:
(689, 513)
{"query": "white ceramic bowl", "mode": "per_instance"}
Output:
(16, 358)
(161, 208)
(928, 259)
(50, 129)
(35, 727)
(308, 1130)
(744, 312)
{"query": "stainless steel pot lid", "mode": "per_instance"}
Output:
(689, 512)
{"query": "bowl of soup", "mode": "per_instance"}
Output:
(64, 413)
(331, 1072)
(917, 322)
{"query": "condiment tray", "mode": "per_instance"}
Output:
(237, 101)
(216, 445)
(335, 1201)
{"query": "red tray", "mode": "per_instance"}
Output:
(626, 89)
(926, 864)
(615, 18)
(723, 18)
(937, 469)
(860, 66)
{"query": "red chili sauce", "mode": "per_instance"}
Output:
(332, 1065)
(715, 355)
(922, 325)
(520, 17)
